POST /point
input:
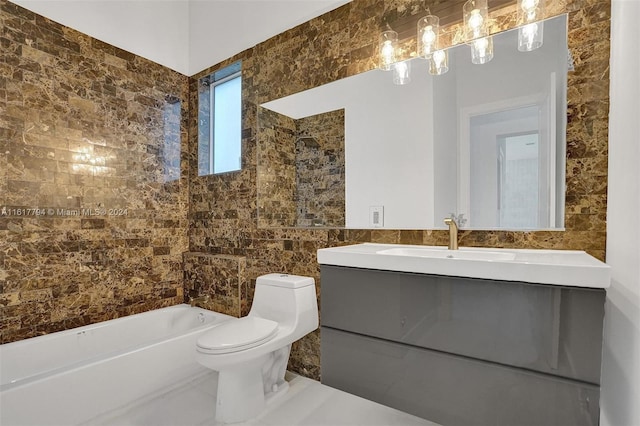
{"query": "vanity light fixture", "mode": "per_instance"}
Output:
(474, 32)
(530, 33)
(389, 60)
(475, 14)
(428, 44)
(428, 28)
(388, 46)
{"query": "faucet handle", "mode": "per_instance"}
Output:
(458, 219)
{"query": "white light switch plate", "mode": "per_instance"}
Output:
(376, 216)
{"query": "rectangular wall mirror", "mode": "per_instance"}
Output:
(483, 141)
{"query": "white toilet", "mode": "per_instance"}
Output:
(250, 354)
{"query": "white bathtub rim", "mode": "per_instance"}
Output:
(106, 356)
(106, 323)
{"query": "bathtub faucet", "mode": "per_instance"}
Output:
(193, 301)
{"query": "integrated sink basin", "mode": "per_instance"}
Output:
(555, 267)
(444, 253)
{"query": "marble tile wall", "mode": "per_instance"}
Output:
(223, 209)
(277, 177)
(301, 170)
(93, 186)
(219, 276)
(99, 167)
(320, 170)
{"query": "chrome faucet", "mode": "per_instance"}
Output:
(193, 301)
(453, 233)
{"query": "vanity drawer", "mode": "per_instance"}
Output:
(551, 329)
(450, 389)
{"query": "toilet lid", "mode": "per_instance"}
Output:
(237, 335)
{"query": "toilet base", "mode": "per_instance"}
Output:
(243, 391)
(240, 394)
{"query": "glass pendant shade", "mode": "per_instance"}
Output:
(439, 62)
(402, 73)
(482, 50)
(530, 34)
(428, 28)
(388, 47)
(475, 14)
(529, 11)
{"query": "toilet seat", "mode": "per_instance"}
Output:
(237, 335)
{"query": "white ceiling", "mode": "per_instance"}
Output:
(184, 35)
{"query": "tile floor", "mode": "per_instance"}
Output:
(307, 403)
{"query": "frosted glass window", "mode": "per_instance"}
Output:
(220, 121)
(226, 126)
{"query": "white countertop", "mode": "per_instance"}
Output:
(556, 267)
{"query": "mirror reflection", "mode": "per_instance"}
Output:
(485, 143)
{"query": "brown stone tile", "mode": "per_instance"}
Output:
(69, 94)
(67, 101)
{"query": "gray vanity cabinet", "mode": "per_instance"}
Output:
(463, 351)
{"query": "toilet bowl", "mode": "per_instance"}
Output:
(250, 354)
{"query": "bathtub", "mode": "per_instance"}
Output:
(69, 377)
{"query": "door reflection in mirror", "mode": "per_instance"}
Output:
(509, 169)
(518, 185)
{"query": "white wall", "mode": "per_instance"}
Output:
(391, 162)
(620, 398)
(445, 135)
(388, 144)
(184, 35)
(219, 29)
(155, 30)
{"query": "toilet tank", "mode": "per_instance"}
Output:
(287, 299)
(284, 280)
